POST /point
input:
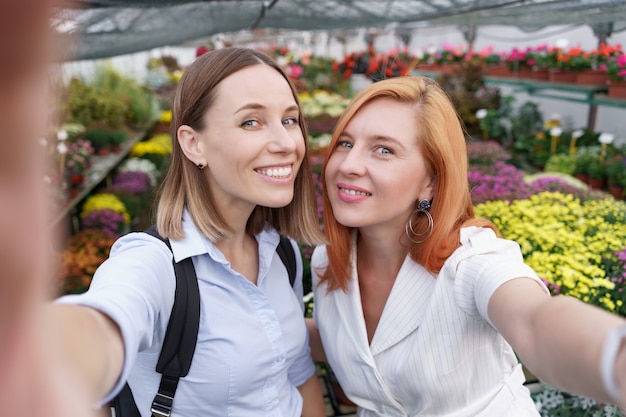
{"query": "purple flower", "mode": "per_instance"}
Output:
(502, 182)
(556, 184)
(132, 182)
(107, 220)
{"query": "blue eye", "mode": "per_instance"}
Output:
(249, 123)
(384, 150)
(343, 144)
(290, 121)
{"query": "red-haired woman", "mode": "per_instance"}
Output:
(421, 306)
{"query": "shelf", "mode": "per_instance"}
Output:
(100, 169)
(591, 95)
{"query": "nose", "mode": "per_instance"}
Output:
(284, 139)
(352, 162)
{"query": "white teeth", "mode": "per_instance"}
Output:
(276, 172)
(353, 192)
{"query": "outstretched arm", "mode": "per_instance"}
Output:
(560, 339)
(88, 344)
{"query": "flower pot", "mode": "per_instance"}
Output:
(450, 68)
(104, 151)
(557, 76)
(541, 74)
(591, 77)
(523, 72)
(596, 183)
(582, 177)
(499, 71)
(428, 67)
(617, 191)
(617, 89)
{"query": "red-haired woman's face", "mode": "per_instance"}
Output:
(377, 172)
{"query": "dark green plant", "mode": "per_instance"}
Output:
(583, 159)
(530, 146)
(596, 169)
(100, 137)
(616, 170)
(117, 137)
(497, 123)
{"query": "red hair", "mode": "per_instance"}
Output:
(442, 142)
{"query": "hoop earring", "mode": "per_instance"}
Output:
(422, 208)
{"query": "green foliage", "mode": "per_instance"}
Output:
(101, 137)
(616, 170)
(596, 169)
(111, 99)
(560, 162)
(118, 137)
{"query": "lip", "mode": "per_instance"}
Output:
(362, 195)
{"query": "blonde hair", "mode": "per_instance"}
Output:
(442, 141)
(186, 187)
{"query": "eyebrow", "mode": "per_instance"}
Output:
(257, 106)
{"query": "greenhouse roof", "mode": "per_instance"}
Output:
(114, 27)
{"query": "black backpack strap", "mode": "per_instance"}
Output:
(181, 335)
(288, 256)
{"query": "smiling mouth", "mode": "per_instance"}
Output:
(353, 192)
(282, 172)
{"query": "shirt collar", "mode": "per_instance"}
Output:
(194, 243)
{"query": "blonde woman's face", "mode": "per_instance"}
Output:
(377, 172)
(252, 142)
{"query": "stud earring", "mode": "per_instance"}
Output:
(199, 165)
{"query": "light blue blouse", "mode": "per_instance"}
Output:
(252, 349)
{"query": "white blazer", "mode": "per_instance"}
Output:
(435, 351)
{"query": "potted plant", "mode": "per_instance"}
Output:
(77, 162)
(562, 163)
(118, 137)
(584, 157)
(616, 70)
(596, 170)
(616, 176)
(100, 138)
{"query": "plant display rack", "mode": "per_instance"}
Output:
(592, 95)
(100, 171)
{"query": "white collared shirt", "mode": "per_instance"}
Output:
(435, 351)
(252, 349)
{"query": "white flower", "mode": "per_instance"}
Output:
(556, 131)
(606, 138)
(577, 133)
(62, 148)
(62, 135)
(481, 114)
(143, 165)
